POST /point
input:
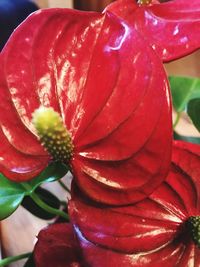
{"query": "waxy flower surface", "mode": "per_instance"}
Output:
(153, 232)
(57, 246)
(89, 90)
(171, 28)
(112, 97)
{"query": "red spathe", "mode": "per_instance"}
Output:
(150, 233)
(171, 28)
(112, 96)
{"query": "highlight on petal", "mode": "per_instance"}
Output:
(152, 232)
(187, 157)
(18, 166)
(29, 78)
(57, 246)
(171, 28)
(123, 132)
(112, 96)
(124, 151)
(131, 179)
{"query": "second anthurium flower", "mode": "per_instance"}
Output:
(171, 28)
(111, 97)
(161, 230)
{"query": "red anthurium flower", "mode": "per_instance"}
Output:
(57, 247)
(161, 230)
(171, 28)
(112, 97)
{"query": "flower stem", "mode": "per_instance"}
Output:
(64, 186)
(63, 203)
(177, 120)
(44, 206)
(9, 260)
(49, 209)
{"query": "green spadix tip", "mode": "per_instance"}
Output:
(193, 224)
(53, 134)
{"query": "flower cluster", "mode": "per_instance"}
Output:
(90, 90)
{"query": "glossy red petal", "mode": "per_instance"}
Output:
(140, 85)
(186, 156)
(129, 180)
(21, 155)
(131, 94)
(18, 166)
(12, 125)
(48, 74)
(53, 75)
(122, 231)
(165, 26)
(57, 247)
(119, 148)
(97, 256)
(112, 115)
(151, 232)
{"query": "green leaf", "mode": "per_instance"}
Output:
(53, 172)
(190, 139)
(12, 193)
(46, 196)
(193, 110)
(183, 90)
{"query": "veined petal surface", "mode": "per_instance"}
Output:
(125, 148)
(57, 246)
(171, 28)
(149, 233)
(113, 97)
